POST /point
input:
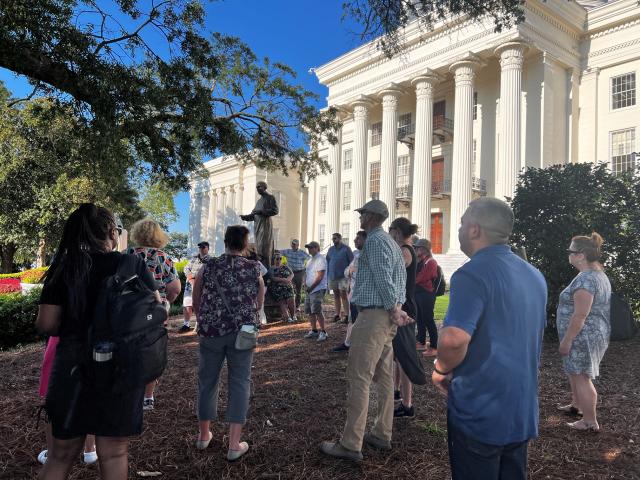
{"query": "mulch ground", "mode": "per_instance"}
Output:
(298, 400)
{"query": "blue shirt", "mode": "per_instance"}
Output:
(500, 300)
(337, 260)
(295, 258)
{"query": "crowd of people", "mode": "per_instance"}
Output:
(384, 290)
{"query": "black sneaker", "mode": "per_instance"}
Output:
(184, 329)
(340, 348)
(403, 412)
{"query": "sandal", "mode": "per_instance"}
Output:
(584, 426)
(203, 444)
(569, 409)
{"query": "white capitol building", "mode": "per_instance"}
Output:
(464, 109)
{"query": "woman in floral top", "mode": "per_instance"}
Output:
(227, 293)
(281, 288)
(584, 327)
(150, 238)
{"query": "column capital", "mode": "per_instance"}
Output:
(511, 54)
(425, 83)
(390, 94)
(361, 105)
(467, 61)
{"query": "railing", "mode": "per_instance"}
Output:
(440, 122)
(479, 185)
(443, 186)
(403, 192)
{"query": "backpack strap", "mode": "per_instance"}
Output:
(128, 266)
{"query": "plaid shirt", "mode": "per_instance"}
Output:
(295, 258)
(382, 276)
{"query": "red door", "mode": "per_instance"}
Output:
(436, 233)
(437, 176)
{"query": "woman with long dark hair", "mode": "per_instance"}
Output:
(84, 258)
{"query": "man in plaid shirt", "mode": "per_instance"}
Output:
(378, 294)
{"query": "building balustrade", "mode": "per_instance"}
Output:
(442, 131)
(443, 186)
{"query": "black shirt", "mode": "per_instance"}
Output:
(103, 265)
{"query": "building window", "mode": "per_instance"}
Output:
(374, 180)
(321, 236)
(403, 175)
(622, 144)
(376, 134)
(623, 91)
(276, 237)
(345, 233)
(323, 199)
(346, 196)
(475, 105)
(347, 159)
(279, 198)
(404, 125)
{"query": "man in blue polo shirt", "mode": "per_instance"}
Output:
(489, 349)
(339, 257)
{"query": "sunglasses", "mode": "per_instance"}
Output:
(575, 252)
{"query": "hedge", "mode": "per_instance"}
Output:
(18, 314)
(176, 306)
(28, 276)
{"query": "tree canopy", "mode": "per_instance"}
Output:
(554, 204)
(385, 20)
(154, 79)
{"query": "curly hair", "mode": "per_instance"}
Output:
(148, 233)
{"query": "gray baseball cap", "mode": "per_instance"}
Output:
(374, 206)
(312, 244)
(422, 242)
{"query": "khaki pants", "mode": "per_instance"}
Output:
(370, 359)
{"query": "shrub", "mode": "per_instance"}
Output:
(176, 306)
(10, 275)
(33, 276)
(18, 318)
(9, 285)
(553, 204)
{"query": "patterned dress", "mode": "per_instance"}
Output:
(237, 278)
(160, 266)
(589, 346)
(281, 291)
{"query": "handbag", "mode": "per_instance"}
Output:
(247, 337)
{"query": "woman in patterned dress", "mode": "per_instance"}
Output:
(281, 288)
(227, 294)
(150, 240)
(584, 327)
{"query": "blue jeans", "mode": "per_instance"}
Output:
(471, 459)
(213, 352)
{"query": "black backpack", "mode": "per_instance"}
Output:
(128, 321)
(439, 283)
(623, 325)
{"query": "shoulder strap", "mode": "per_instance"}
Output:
(127, 267)
(219, 290)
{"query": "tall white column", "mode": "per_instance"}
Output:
(464, 72)
(334, 197)
(389, 148)
(204, 216)
(511, 59)
(360, 149)
(421, 196)
(194, 217)
(222, 209)
(211, 224)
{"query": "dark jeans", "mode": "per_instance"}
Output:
(425, 302)
(471, 459)
(298, 278)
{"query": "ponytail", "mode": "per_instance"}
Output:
(591, 246)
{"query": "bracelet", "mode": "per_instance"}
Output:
(435, 369)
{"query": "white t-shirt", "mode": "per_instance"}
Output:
(315, 265)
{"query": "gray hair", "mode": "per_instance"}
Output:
(494, 216)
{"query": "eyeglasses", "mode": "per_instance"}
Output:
(574, 252)
(119, 230)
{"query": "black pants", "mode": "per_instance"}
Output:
(298, 278)
(474, 460)
(426, 301)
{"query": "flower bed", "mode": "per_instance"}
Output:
(9, 285)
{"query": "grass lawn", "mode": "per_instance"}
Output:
(442, 303)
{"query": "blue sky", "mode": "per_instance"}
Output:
(300, 33)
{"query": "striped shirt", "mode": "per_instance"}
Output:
(295, 258)
(382, 276)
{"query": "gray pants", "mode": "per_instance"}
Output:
(298, 278)
(213, 352)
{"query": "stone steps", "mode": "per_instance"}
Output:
(450, 262)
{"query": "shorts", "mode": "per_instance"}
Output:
(313, 302)
(187, 301)
(341, 284)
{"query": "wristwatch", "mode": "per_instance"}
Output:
(435, 368)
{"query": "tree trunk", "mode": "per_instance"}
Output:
(7, 252)
(41, 260)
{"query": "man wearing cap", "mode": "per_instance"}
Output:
(266, 207)
(316, 286)
(378, 295)
(339, 257)
(492, 336)
(296, 259)
(425, 293)
(190, 271)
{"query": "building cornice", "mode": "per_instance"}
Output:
(610, 16)
(567, 17)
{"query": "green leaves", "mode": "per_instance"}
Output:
(554, 204)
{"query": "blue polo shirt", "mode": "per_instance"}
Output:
(337, 260)
(500, 300)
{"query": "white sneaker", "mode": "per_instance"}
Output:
(290, 320)
(311, 334)
(90, 457)
(322, 337)
(42, 457)
(294, 319)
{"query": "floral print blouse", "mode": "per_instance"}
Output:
(159, 264)
(238, 280)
